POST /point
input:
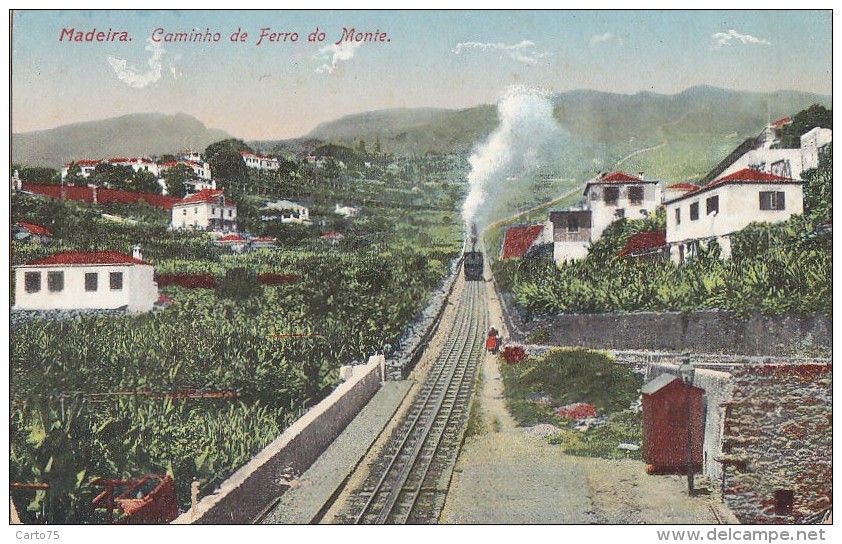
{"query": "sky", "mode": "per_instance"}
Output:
(264, 89)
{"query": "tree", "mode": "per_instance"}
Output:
(818, 188)
(146, 182)
(113, 176)
(74, 175)
(39, 175)
(361, 148)
(803, 122)
(174, 179)
(226, 162)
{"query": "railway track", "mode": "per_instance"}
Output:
(408, 481)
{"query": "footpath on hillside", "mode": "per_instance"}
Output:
(505, 475)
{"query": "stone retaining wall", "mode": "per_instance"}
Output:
(779, 441)
(255, 486)
(701, 331)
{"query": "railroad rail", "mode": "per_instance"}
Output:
(408, 481)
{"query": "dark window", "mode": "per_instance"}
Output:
(636, 195)
(55, 281)
(184, 211)
(620, 213)
(772, 200)
(32, 282)
(712, 205)
(230, 213)
(612, 194)
(694, 211)
(195, 211)
(678, 216)
(573, 224)
(784, 500)
(91, 281)
(115, 281)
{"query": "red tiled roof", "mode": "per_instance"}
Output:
(205, 195)
(231, 238)
(35, 229)
(103, 196)
(84, 162)
(683, 187)
(643, 241)
(749, 174)
(619, 176)
(518, 240)
(87, 257)
(332, 235)
(782, 122)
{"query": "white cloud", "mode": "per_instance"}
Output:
(524, 51)
(133, 77)
(727, 38)
(342, 52)
(599, 38)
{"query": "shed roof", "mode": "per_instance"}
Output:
(518, 240)
(72, 258)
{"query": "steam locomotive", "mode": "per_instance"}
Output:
(473, 260)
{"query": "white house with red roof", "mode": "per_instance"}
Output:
(200, 170)
(727, 205)
(619, 195)
(206, 210)
(608, 197)
(86, 280)
(258, 162)
(137, 163)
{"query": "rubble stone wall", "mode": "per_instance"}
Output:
(778, 440)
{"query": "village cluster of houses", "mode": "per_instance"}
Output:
(762, 183)
(83, 280)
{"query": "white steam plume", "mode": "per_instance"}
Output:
(516, 147)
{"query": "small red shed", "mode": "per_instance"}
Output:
(668, 406)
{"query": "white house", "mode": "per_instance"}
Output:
(138, 163)
(206, 210)
(571, 234)
(729, 204)
(86, 280)
(608, 197)
(258, 162)
(200, 170)
(347, 212)
(86, 167)
(291, 212)
(619, 195)
(786, 163)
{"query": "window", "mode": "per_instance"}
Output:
(32, 282)
(572, 224)
(772, 200)
(55, 281)
(213, 210)
(784, 500)
(620, 213)
(678, 216)
(115, 281)
(195, 211)
(636, 195)
(612, 194)
(694, 211)
(230, 213)
(184, 211)
(712, 205)
(91, 281)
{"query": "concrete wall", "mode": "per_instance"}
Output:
(701, 331)
(253, 488)
(779, 437)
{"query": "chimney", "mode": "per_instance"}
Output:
(136, 254)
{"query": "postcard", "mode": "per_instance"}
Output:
(456, 267)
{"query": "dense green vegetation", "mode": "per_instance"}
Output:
(92, 396)
(774, 269)
(536, 387)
